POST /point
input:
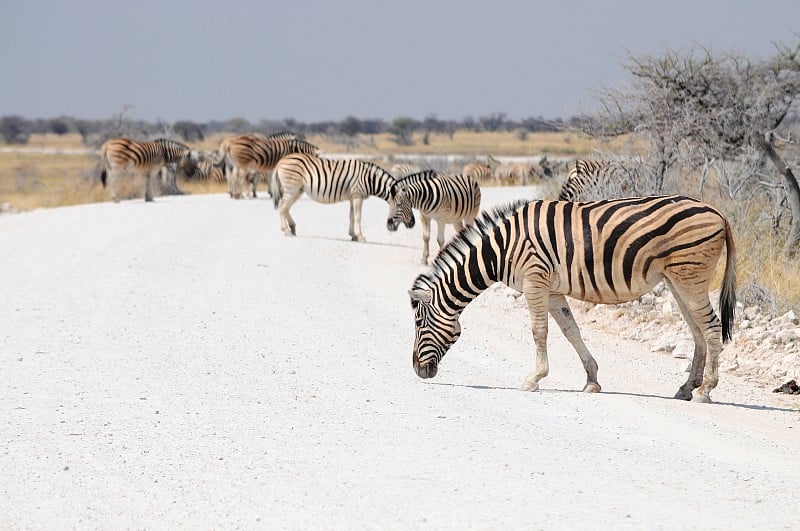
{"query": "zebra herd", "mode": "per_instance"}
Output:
(608, 251)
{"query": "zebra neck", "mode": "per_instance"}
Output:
(463, 270)
(378, 183)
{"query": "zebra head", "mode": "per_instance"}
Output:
(399, 209)
(435, 333)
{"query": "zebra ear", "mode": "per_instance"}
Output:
(421, 295)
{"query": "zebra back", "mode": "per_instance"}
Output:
(331, 180)
(259, 154)
(585, 174)
(448, 197)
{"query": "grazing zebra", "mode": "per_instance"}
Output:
(605, 252)
(331, 181)
(150, 158)
(208, 170)
(453, 199)
(583, 175)
(515, 172)
(404, 169)
(248, 155)
(478, 171)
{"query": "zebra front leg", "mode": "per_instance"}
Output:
(536, 295)
(559, 309)
(425, 221)
(356, 203)
(351, 232)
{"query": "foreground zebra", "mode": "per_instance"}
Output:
(453, 199)
(149, 158)
(251, 155)
(332, 181)
(583, 175)
(604, 252)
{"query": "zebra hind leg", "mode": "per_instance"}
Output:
(559, 309)
(708, 344)
(700, 348)
(288, 225)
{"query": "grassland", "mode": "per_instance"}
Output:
(53, 171)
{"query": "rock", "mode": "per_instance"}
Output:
(751, 312)
(789, 317)
(744, 325)
(789, 388)
(786, 336)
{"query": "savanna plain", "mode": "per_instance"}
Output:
(181, 363)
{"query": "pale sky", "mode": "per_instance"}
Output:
(315, 60)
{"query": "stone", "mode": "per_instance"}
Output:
(751, 312)
(684, 349)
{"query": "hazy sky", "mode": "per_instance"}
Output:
(315, 60)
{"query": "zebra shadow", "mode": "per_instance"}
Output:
(756, 407)
(348, 240)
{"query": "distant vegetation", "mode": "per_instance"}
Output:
(405, 131)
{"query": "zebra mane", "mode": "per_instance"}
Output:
(456, 249)
(418, 176)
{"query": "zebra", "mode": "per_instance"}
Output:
(607, 252)
(453, 199)
(249, 154)
(125, 154)
(404, 169)
(478, 171)
(583, 175)
(513, 172)
(331, 181)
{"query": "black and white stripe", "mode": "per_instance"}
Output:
(604, 252)
(454, 199)
(332, 181)
(119, 155)
(586, 175)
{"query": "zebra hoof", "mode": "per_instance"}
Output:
(529, 386)
(682, 394)
(700, 398)
(358, 239)
(591, 388)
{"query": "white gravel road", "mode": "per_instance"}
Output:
(183, 364)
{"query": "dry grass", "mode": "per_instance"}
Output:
(36, 180)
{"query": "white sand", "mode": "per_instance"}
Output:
(183, 363)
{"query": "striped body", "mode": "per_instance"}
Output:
(604, 252)
(126, 155)
(248, 155)
(332, 181)
(404, 169)
(453, 199)
(478, 171)
(515, 172)
(584, 175)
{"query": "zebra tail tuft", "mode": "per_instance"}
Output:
(727, 298)
(103, 176)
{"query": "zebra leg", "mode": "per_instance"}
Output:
(536, 295)
(559, 309)
(112, 179)
(440, 225)
(356, 203)
(700, 347)
(287, 221)
(425, 221)
(351, 232)
(700, 309)
(148, 194)
(255, 182)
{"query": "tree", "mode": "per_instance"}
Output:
(698, 109)
(14, 130)
(188, 131)
(402, 128)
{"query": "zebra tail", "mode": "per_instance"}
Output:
(727, 298)
(103, 160)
